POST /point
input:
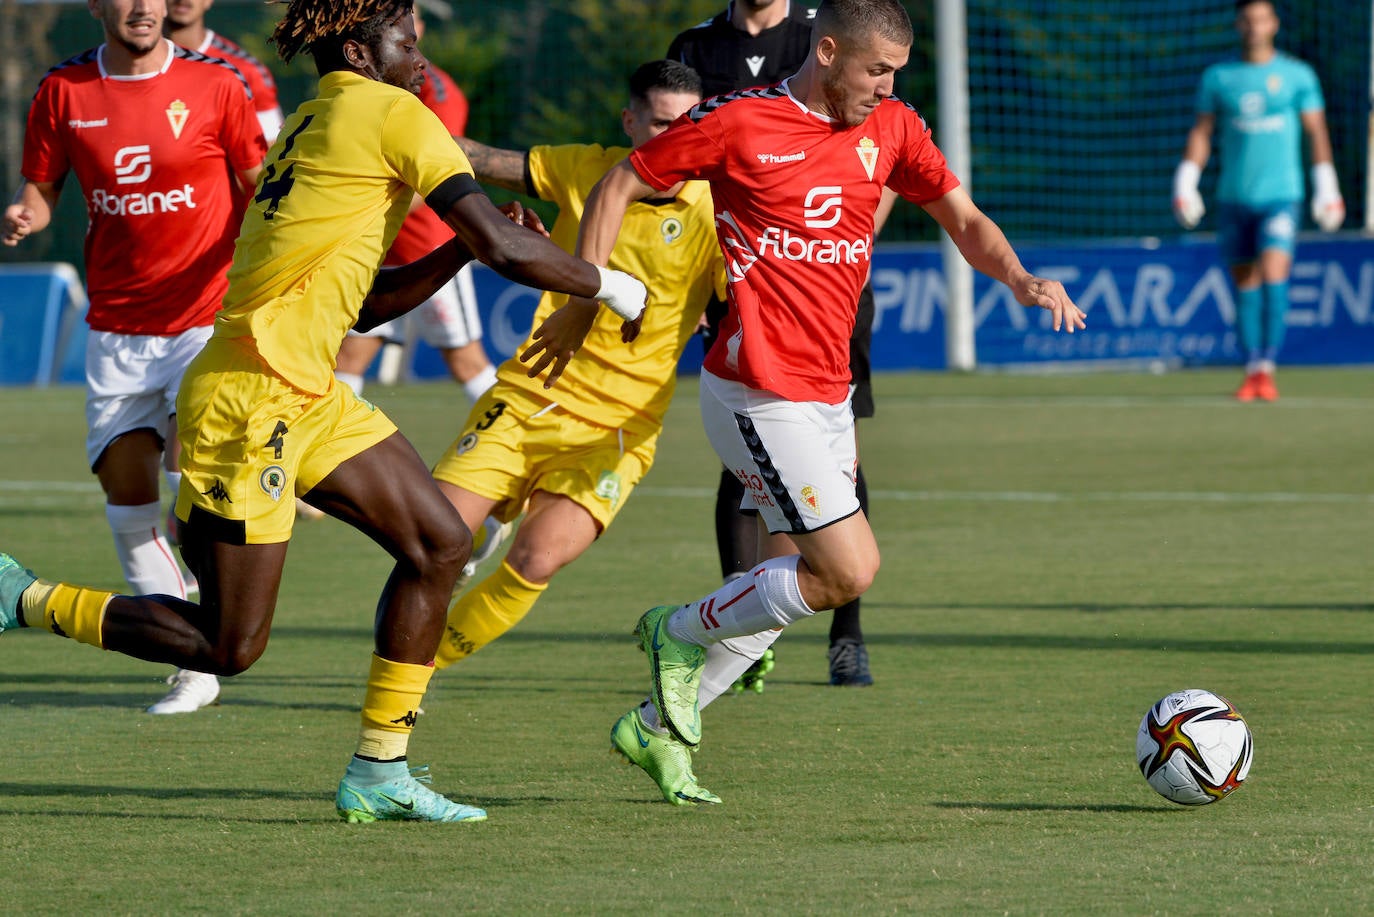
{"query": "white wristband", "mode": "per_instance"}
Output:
(621, 293)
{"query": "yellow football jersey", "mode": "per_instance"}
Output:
(671, 246)
(334, 190)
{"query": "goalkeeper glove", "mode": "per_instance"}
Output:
(1328, 208)
(622, 294)
(1188, 206)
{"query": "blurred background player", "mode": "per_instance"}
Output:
(165, 146)
(759, 43)
(185, 25)
(775, 387)
(262, 417)
(576, 454)
(448, 320)
(1260, 106)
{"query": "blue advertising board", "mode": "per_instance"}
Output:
(1147, 302)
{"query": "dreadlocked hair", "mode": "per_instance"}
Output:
(311, 26)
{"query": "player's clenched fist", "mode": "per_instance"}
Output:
(18, 224)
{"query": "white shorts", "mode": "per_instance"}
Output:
(446, 321)
(796, 459)
(132, 382)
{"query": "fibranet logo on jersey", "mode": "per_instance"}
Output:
(822, 209)
(133, 165)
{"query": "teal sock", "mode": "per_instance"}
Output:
(1275, 319)
(363, 772)
(1249, 314)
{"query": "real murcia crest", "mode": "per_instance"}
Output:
(176, 116)
(868, 155)
(755, 64)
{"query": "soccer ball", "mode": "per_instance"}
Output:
(1193, 747)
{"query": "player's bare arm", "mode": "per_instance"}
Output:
(503, 168)
(31, 211)
(558, 338)
(983, 245)
(399, 289)
(527, 257)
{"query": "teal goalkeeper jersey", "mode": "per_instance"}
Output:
(1258, 109)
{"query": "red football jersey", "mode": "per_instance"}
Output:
(154, 157)
(423, 231)
(255, 72)
(794, 195)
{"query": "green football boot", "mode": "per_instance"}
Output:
(406, 798)
(14, 579)
(663, 758)
(676, 668)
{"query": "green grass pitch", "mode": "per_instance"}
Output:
(1058, 553)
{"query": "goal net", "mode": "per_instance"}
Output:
(1078, 109)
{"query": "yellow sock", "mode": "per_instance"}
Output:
(484, 612)
(68, 611)
(394, 692)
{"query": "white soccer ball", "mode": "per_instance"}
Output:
(1194, 747)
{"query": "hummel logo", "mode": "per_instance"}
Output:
(772, 159)
(409, 719)
(217, 492)
(409, 805)
(755, 64)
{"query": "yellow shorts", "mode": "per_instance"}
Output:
(515, 443)
(251, 443)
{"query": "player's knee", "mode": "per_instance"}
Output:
(534, 566)
(236, 654)
(441, 549)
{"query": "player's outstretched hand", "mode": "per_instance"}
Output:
(558, 338)
(1050, 294)
(18, 224)
(523, 216)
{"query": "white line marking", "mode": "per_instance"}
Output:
(1043, 496)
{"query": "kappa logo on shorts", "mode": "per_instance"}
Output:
(811, 499)
(608, 487)
(273, 481)
(218, 493)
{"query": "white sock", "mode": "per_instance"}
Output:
(477, 386)
(144, 555)
(352, 380)
(727, 660)
(768, 596)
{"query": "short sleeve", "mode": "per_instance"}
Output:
(45, 156)
(921, 174)
(1309, 96)
(419, 148)
(692, 148)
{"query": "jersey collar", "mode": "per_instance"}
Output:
(786, 86)
(106, 75)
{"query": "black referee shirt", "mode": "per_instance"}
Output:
(730, 59)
